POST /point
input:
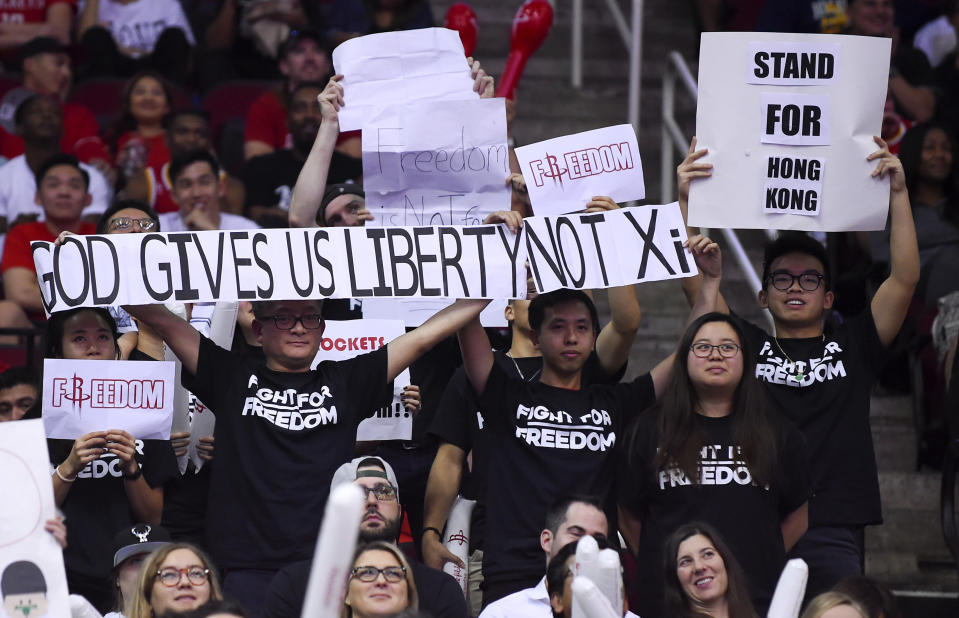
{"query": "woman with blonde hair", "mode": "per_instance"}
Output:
(176, 578)
(380, 584)
(834, 604)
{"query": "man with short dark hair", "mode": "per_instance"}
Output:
(439, 595)
(19, 392)
(198, 189)
(62, 192)
(567, 520)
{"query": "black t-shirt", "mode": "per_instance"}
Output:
(746, 515)
(96, 507)
(269, 179)
(458, 421)
(546, 442)
(439, 594)
(184, 504)
(279, 438)
(830, 406)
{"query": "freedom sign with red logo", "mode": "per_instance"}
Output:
(80, 396)
(563, 174)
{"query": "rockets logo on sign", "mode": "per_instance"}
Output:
(109, 393)
(581, 163)
(459, 537)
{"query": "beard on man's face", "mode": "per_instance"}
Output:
(385, 530)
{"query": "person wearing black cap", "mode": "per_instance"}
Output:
(343, 205)
(46, 70)
(303, 57)
(270, 178)
(131, 546)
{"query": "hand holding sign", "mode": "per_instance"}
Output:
(482, 82)
(691, 168)
(889, 165)
(122, 444)
(85, 449)
(331, 100)
(707, 255)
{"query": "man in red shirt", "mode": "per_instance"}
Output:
(62, 192)
(46, 70)
(303, 58)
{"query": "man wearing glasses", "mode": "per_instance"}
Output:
(198, 190)
(439, 594)
(282, 428)
(820, 374)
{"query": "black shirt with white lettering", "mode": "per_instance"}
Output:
(545, 443)
(830, 406)
(97, 507)
(279, 438)
(458, 421)
(746, 515)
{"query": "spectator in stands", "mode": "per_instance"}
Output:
(187, 129)
(175, 579)
(23, 21)
(131, 547)
(439, 593)
(121, 36)
(63, 193)
(807, 389)
(929, 160)
(834, 605)
(46, 70)
(105, 480)
(877, 600)
(567, 520)
(244, 39)
(802, 16)
(270, 178)
(710, 426)
(292, 452)
(40, 123)
(381, 583)
(138, 133)
(343, 205)
(19, 394)
(198, 190)
(218, 609)
(303, 58)
(559, 579)
(352, 18)
(910, 76)
(703, 576)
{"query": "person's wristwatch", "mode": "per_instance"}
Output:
(135, 475)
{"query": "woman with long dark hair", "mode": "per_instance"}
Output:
(709, 451)
(703, 577)
(929, 158)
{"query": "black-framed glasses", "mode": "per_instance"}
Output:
(382, 491)
(124, 223)
(704, 350)
(310, 321)
(368, 574)
(171, 576)
(809, 280)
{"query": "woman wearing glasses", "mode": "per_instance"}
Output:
(175, 579)
(380, 583)
(709, 451)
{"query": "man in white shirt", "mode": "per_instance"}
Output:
(567, 520)
(198, 189)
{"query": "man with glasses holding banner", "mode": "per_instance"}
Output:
(282, 428)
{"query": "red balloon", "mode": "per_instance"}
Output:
(530, 27)
(462, 18)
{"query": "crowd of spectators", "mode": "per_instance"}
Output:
(137, 116)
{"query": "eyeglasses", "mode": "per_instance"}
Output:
(370, 573)
(705, 350)
(382, 491)
(809, 281)
(310, 321)
(171, 576)
(125, 223)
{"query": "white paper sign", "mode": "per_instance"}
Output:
(80, 396)
(436, 163)
(31, 561)
(793, 185)
(413, 312)
(601, 250)
(391, 68)
(808, 97)
(348, 338)
(564, 173)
